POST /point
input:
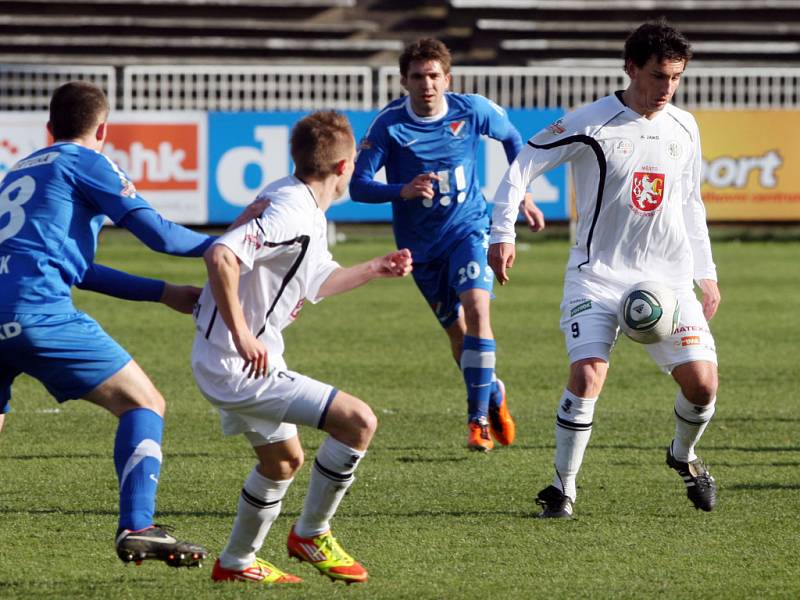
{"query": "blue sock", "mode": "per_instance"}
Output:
(477, 366)
(137, 458)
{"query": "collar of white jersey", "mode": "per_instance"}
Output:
(432, 118)
(312, 199)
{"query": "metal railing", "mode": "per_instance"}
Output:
(29, 87)
(223, 88)
(246, 88)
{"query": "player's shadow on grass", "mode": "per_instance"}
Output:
(755, 487)
(163, 515)
(106, 456)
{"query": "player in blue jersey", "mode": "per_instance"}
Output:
(428, 143)
(52, 206)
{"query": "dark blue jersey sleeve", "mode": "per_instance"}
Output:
(164, 236)
(372, 153)
(105, 280)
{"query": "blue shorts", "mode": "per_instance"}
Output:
(70, 354)
(464, 267)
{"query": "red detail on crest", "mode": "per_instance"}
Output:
(647, 191)
(456, 127)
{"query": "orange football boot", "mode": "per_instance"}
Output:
(501, 422)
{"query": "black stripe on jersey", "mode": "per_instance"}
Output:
(211, 321)
(601, 181)
(572, 425)
(332, 475)
(304, 241)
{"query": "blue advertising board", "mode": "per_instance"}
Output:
(248, 150)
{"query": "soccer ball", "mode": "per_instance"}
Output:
(649, 312)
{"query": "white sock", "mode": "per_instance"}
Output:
(331, 477)
(691, 421)
(573, 430)
(259, 506)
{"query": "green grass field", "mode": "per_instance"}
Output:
(427, 518)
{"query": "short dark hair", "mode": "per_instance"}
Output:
(423, 50)
(319, 141)
(656, 39)
(75, 109)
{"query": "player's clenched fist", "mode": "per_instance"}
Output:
(420, 187)
(394, 264)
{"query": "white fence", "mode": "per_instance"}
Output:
(569, 87)
(247, 88)
(28, 87)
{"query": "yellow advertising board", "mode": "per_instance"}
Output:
(751, 165)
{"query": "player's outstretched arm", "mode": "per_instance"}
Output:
(501, 258)
(162, 235)
(394, 264)
(223, 278)
(250, 212)
(119, 284)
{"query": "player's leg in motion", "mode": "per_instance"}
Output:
(351, 425)
(131, 396)
(694, 407)
(478, 360)
(573, 430)
(259, 507)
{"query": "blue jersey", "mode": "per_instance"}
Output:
(52, 205)
(446, 144)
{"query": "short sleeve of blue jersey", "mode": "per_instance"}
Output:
(493, 121)
(109, 189)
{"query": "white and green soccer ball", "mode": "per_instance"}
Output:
(649, 312)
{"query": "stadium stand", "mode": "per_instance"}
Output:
(123, 32)
(748, 32)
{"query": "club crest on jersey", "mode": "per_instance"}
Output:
(647, 191)
(128, 189)
(557, 127)
(455, 127)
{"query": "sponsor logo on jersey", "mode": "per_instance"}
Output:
(624, 147)
(253, 239)
(296, 310)
(10, 330)
(580, 308)
(557, 128)
(690, 340)
(365, 144)
(647, 191)
(456, 127)
(4, 264)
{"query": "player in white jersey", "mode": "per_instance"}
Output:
(260, 274)
(636, 166)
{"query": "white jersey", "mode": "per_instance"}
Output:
(637, 187)
(284, 261)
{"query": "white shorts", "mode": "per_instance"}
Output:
(590, 330)
(286, 400)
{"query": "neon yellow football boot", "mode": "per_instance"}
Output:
(327, 556)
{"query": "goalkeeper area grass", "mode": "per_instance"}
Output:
(427, 518)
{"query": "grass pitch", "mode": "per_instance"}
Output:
(427, 518)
